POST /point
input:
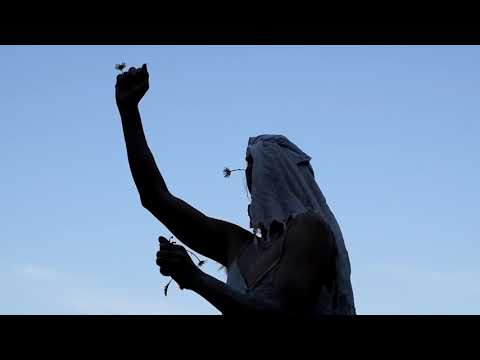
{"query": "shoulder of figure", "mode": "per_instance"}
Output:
(309, 232)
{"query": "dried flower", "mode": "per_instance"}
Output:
(120, 67)
(227, 172)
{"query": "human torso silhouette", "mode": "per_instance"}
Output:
(286, 275)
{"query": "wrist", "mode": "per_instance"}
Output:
(196, 280)
(125, 107)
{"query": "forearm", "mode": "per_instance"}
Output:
(230, 301)
(142, 163)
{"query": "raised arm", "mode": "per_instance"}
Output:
(210, 237)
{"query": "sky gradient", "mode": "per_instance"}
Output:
(392, 130)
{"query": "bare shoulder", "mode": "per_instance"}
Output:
(309, 233)
(308, 260)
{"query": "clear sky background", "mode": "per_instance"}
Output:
(393, 132)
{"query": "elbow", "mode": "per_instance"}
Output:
(146, 201)
(152, 199)
(147, 196)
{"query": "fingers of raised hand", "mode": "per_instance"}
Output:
(130, 76)
(133, 76)
(120, 80)
(137, 75)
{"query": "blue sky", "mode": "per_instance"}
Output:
(392, 130)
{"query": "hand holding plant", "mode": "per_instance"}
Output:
(174, 261)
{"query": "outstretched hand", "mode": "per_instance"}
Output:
(174, 261)
(131, 86)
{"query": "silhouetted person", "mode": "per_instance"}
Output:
(297, 267)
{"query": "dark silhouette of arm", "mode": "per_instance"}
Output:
(210, 237)
(232, 302)
(173, 260)
(145, 173)
(306, 265)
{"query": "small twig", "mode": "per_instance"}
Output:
(165, 288)
(199, 261)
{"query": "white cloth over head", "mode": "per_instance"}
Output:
(284, 186)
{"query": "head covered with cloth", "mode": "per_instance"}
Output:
(282, 185)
